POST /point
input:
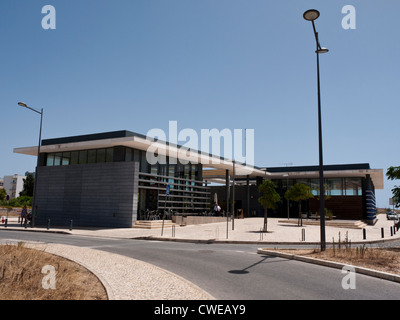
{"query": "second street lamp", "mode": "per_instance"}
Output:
(34, 203)
(311, 15)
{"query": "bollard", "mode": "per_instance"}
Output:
(48, 224)
(391, 231)
(70, 225)
(173, 231)
(303, 234)
(162, 228)
(364, 234)
(5, 224)
(382, 233)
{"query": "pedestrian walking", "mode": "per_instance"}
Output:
(24, 214)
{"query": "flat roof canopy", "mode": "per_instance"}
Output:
(214, 166)
(330, 171)
(140, 142)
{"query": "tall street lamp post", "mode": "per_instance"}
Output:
(287, 188)
(312, 15)
(22, 104)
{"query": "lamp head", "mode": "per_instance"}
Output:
(322, 50)
(311, 15)
(22, 104)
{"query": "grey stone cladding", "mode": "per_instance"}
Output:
(91, 195)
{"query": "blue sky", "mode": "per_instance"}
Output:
(138, 64)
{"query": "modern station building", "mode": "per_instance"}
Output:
(106, 180)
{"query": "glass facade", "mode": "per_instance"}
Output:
(79, 157)
(333, 186)
(188, 194)
(118, 154)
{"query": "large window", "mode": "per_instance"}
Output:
(50, 160)
(120, 153)
(66, 158)
(109, 155)
(57, 159)
(83, 157)
(80, 157)
(333, 186)
(314, 184)
(74, 157)
(101, 156)
(353, 187)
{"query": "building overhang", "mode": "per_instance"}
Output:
(141, 142)
(214, 167)
(348, 171)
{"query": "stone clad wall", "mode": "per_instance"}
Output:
(92, 195)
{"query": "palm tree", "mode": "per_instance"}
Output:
(393, 173)
(299, 192)
(268, 199)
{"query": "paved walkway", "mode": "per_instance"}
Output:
(279, 231)
(126, 278)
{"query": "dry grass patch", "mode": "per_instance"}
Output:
(21, 277)
(380, 259)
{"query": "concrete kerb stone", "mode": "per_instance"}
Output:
(332, 264)
(219, 241)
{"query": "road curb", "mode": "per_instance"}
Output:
(332, 264)
(206, 241)
(29, 229)
(219, 241)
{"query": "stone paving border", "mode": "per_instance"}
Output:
(126, 278)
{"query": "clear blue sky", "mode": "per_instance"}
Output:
(137, 64)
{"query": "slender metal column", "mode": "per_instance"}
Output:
(311, 15)
(321, 162)
(227, 185)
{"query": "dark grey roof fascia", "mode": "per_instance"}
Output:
(92, 137)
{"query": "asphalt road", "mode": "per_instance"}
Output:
(232, 271)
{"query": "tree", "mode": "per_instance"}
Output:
(3, 194)
(393, 173)
(29, 183)
(299, 192)
(268, 199)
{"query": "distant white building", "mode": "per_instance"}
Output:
(13, 185)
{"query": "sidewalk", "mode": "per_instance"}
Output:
(279, 231)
